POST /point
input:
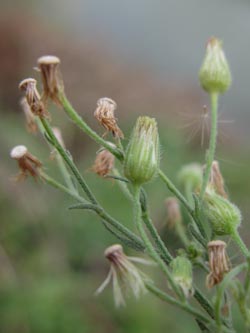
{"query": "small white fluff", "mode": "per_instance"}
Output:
(18, 152)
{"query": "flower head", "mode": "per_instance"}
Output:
(51, 78)
(182, 274)
(28, 164)
(142, 156)
(190, 176)
(216, 180)
(33, 98)
(104, 113)
(218, 262)
(126, 278)
(215, 76)
(104, 163)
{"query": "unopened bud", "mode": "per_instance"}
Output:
(142, 156)
(218, 262)
(104, 113)
(223, 216)
(33, 97)
(51, 78)
(182, 274)
(215, 76)
(28, 164)
(104, 163)
(190, 176)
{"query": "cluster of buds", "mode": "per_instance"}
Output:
(28, 164)
(215, 76)
(51, 77)
(218, 262)
(104, 163)
(123, 273)
(104, 113)
(33, 97)
(142, 156)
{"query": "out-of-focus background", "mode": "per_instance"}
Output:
(146, 56)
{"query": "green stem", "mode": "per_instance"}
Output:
(175, 191)
(61, 187)
(236, 237)
(221, 289)
(183, 305)
(74, 116)
(65, 173)
(149, 247)
(212, 144)
(68, 160)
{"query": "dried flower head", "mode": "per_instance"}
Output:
(126, 278)
(51, 78)
(28, 164)
(33, 98)
(29, 116)
(218, 262)
(104, 163)
(173, 212)
(104, 113)
(216, 180)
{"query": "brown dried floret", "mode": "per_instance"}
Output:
(218, 262)
(173, 212)
(104, 113)
(104, 163)
(29, 116)
(33, 97)
(51, 78)
(216, 180)
(28, 164)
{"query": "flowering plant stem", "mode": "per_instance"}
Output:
(74, 116)
(212, 144)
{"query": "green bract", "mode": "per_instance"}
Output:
(142, 155)
(215, 76)
(224, 216)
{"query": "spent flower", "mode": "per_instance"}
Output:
(125, 277)
(29, 116)
(104, 163)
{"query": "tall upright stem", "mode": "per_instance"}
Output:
(212, 144)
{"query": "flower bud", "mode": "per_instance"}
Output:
(173, 212)
(142, 155)
(218, 262)
(182, 274)
(223, 216)
(191, 175)
(215, 76)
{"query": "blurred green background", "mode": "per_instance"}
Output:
(146, 56)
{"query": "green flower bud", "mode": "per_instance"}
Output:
(224, 216)
(182, 274)
(215, 76)
(191, 175)
(142, 155)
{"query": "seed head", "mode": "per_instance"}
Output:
(104, 113)
(218, 262)
(104, 163)
(28, 164)
(51, 78)
(125, 276)
(33, 98)
(215, 76)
